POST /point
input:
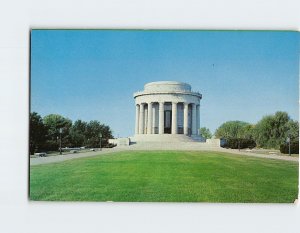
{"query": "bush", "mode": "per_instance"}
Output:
(284, 148)
(234, 143)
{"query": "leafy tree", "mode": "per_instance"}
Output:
(272, 130)
(54, 123)
(238, 134)
(234, 129)
(293, 130)
(45, 133)
(205, 133)
(94, 128)
(78, 133)
(37, 132)
(247, 132)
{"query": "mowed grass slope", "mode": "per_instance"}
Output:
(171, 176)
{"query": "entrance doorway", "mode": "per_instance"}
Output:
(168, 121)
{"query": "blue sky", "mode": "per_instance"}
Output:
(92, 74)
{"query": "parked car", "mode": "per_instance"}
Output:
(41, 154)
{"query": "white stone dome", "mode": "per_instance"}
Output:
(167, 86)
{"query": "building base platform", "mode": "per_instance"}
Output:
(167, 141)
(161, 138)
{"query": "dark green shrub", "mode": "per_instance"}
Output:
(235, 143)
(284, 148)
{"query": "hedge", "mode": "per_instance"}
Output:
(235, 143)
(284, 148)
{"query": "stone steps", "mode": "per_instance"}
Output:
(173, 146)
(164, 138)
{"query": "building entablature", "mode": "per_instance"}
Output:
(168, 98)
(141, 93)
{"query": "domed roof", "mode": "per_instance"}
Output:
(167, 86)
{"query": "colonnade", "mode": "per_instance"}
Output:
(144, 119)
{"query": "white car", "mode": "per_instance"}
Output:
(41, 154)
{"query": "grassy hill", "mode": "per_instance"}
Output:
(169, 176)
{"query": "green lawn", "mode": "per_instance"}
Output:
(181, 176)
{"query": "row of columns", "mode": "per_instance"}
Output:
(140, 113)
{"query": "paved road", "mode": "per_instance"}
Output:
(60, 158)
(268, 156)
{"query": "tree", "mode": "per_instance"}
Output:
(37, 132)
(205, 133)
(94, 128)
(53, 123)
(234, 129)
(78, 133)
(293, 130)
(272, 130)
(237, 134)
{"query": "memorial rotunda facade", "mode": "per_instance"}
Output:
(167, 108)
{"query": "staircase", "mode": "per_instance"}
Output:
(165, 138)
(171, 142)
(173, 146)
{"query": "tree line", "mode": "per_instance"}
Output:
(45, 133)
(271, 132)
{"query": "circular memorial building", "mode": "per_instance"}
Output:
(167, 110)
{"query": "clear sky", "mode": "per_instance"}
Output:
(92, 74)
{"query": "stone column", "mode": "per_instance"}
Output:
(174, 118)
(185, 118)
(141, 119)
(198, 118)
(194, 119)
(137, 112)
(145, 118)
(149, 127)
(154, 120)
(161, 118)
